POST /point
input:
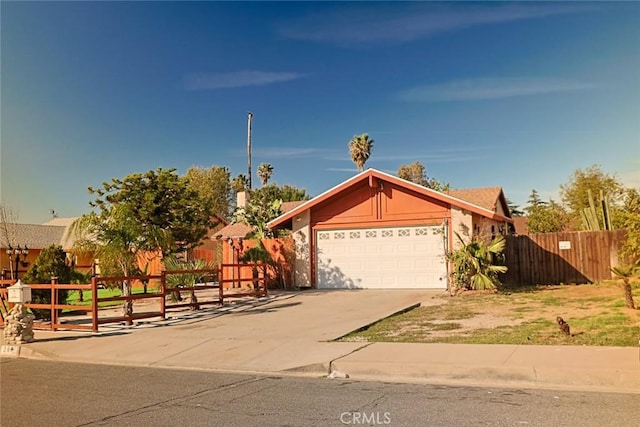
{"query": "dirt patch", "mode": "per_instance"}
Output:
(596, 314)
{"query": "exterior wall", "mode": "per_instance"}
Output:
(486, 228)
(9, 266)
(371, 203)
(302, 241)
(461, 223)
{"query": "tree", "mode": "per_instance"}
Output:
(240, 183)
(575, 193)
(51, 262)
(630, 221)
(474, 263)
(360, 148)
(115, 237)
(285, 193)
(159, 199)
(545, 217)
(257, 214)
(265, 170)
(625, 272)
(514, 209)
(416, 173)
(213, 184)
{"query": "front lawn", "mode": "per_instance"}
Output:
(74, 296)
(596, 314)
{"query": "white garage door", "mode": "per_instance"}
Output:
(381, 258)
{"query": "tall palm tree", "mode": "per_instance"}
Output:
(265, 170)
(360, 148)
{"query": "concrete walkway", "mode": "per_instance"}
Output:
(292, 333)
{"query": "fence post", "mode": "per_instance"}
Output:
(163, 292)
(94, 303)
(54, 301)
(221, 285)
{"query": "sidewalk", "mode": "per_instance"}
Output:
(290, 334)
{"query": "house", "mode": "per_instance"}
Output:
(376, 230)
(34, 237)
(54, 232)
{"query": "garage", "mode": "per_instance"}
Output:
(381, 258)
(377, 231)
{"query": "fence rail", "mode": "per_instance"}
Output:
(243, 285)
(567, 257)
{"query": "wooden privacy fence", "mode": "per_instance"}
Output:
(567, 257)
(250, 282)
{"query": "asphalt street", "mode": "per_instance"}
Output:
(46, 393)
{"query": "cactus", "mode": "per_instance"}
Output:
(589, 215)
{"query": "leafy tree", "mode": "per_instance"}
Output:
(575, 193)
(545, 217)
(416, 173)
(240, 183)
(475, 263)
(285, 193)
(51, 262)
(213, 184)
(360, 148)
(158, 199)
(265, 170)
(257, 214)
(630, 221)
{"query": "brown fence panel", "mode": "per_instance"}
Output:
(567, 257)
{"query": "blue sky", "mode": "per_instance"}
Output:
(516, 95)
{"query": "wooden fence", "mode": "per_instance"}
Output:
(251, 281)
(569, 257)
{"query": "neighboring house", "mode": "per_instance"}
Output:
(35, 237)
(54, 232)
(521, 225)
(376, 230)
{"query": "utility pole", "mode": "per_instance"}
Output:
(249, 149)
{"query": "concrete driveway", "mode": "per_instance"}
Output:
(291, 332)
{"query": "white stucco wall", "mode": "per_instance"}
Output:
(302, 237)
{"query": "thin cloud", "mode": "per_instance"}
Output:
(364, 24)
(342, 169)
(211, 81)
(490, 88)
(290, 152)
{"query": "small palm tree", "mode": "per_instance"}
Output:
(189, 279)
(360, 148)
(625, 272)
(265, 170)
(474, 263)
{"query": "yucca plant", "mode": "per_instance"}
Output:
(625, 273)
(188, 280)
(474, 263)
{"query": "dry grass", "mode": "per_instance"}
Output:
(596, 313)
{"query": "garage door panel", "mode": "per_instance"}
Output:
(403, 257)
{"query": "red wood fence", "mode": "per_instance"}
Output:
(253, 284)
(568, 257)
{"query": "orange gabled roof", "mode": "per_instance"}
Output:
(374, 173)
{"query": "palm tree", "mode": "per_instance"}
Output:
(265, 170)
(188, 279)
(360, 148)
(625, 272)
(116, 238)
(474, 263)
